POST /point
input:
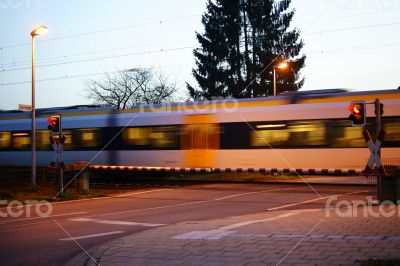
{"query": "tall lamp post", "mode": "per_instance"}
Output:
(36, 31)
(281, 65)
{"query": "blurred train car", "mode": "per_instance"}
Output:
(300, 130)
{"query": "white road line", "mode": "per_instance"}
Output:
(99, 198)
(210, 186)
(83, 219)
(234, 196)
(182, 204)
(138, 193)
(150, 209)
(91, 236)
(210, 235)
(227, 229)
(233, 226)
(250, 193)
(41, 217)
(312, 200)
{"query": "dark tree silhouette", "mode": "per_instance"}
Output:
(131, 87)
(242, 41)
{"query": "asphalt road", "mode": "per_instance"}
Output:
(47, 240)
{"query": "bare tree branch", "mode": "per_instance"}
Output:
(130, 87)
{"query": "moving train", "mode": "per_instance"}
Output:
(300, 130)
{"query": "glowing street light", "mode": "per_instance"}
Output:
(39, 30)
(281, 65)
(36, 31)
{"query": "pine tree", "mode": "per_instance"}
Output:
(242, 42)
(209, 58)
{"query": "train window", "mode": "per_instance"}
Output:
(392, 130)
(295, 134)
(89, 138)
(70, 143)
(266, 137)
(43, 141)
(351, 137)
(137, 136)
(5, 140)
(307, 133)
(152, 137)
(21, 140)
(164, 137)
(303, 134)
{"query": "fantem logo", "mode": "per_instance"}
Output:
(361, 208)
(364, 4)
(25, 3)
(16, 208)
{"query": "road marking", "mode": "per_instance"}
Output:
(227, 229)
(250, 193)
(210, 186)
(83, 219)
(143, 192)
(234, 196)
(237, 225)
(91, 236)
(99, 198)
(182, 204)
(42, 217)
(312, 200)
(210, 234)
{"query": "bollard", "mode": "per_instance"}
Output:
(388, 188)
(84, 181)
(60, 174)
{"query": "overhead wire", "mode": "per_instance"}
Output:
(103, 58)
(4, 66)
(49, 59)
(101, 31)
(65, 61)
(72, 76)
(99, 73)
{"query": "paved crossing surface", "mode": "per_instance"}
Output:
(285, 237)
(223, 211)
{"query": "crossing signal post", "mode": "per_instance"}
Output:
(358, 118)
(358, 112)
(57, 144)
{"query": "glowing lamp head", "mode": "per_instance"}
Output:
(39, 30)
(282, 65)
(356, 109)
(358, 113)
(54, 123)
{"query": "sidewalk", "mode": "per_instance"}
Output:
(285, 237)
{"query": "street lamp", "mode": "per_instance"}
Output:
(37, 31)
(281, 65)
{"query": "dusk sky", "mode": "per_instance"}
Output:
(348, 43)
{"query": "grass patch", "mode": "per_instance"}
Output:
(5, 195)
(47, 192)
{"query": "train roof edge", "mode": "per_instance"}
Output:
(291, 96)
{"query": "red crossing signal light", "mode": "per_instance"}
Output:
(55, 123)
(358, 113)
